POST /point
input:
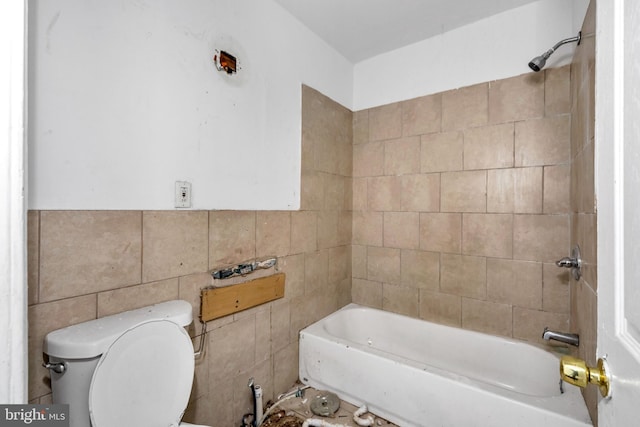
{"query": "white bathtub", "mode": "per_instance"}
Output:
(417, 373)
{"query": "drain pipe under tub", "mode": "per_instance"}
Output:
(367, 421)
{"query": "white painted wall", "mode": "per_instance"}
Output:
(125, 101)
(13, 247)
(498, 47)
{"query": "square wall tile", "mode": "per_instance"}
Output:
(232, 237)
(401, 230)
(442, 152)
(368, 159)
(466, 107)
(422, 115)
(441, 308)
(359, 261)
(83, 252)
(316, 271)
(488, 235)
(383, 265)
(489, 147)
(463, 191)
(514, 282)
(385, 122)
(516, 190)
(367, 228)
(540, 237)
(543, 142)
(402, 156)
(420, 269)
(420, 193)
(312, 188)
(516, 98)
(400, 299)
(367, 293)
(384, 193)
(360, 194)
(463, 275)
(441, 232)
(487, 317)
(175, 244)
(293, 267)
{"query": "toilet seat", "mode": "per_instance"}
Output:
(144, 378)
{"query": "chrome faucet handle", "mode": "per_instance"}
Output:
(574, 262)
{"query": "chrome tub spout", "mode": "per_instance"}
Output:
(567, 338)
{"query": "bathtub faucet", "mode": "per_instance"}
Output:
(573, 339)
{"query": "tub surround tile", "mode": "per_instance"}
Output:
(489, 235)
(368, 159)
(420, 193)
(312, 190)
(328, 230)
(359, 261)
(360, 127)
(383, 265)
(367, 293)
(385, 122)
(442, 152)
(420, 269)
(401, 230)
(543, 142)
(83, 252)
(540, 237)
(516, 190)
(367, 228)
(489, 147)
(400, 299)
(441, 308)
(316, 271)
(555, 289)
(463, 275)
(516, 98)
(529, 324)
(466, 107)
(518, 283)
(557, 90)
(422, 115)
(441, 232)
(463, 191)
(384, 193)
(487, 317)
(402, 156)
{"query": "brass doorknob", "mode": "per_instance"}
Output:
(575, 371)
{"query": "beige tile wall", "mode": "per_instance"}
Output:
(461, 205)
(88, 264)
(582, 200)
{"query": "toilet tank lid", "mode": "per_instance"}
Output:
(92, 338)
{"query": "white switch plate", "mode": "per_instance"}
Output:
(183, 194)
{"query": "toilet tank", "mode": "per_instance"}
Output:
(91, 339)
(80, 347)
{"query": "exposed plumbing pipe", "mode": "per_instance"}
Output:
(257, 398)
(366, 421)
(274, 406)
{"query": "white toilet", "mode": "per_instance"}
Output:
(133, 369)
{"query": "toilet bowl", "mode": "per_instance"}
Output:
(136, 368)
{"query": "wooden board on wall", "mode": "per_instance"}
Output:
(219, 302)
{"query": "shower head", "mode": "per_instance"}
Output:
(538, 63)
